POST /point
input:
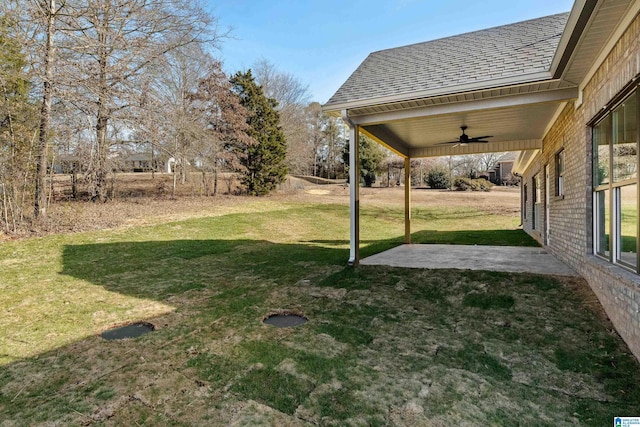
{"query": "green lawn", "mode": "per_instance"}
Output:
(383, 346)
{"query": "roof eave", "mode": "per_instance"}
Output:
(579, 17)
(337, 108)
(524, 160)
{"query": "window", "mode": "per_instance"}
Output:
(536, 195)
(525, 199)
(560, 173)
(615, 183)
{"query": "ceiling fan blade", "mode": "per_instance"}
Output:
(465, 140)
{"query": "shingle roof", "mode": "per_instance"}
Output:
(480, 56)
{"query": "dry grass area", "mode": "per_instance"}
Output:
(144, 200)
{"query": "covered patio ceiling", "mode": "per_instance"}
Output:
(516, 122)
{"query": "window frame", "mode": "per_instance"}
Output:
(560, 167)
(526, 199)
(537, 207)
(614, 187)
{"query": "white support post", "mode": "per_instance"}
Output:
(407, 200)
(354, 190)
(354, 195)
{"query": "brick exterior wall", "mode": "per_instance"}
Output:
(570, 217)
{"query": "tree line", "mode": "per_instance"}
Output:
(84, 81)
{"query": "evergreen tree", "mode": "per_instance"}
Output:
(266, 159)
(17, 126)
(371, 158)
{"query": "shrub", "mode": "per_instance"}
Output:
(462, 184)
(468, 184)
(483, 184)
(438, 179)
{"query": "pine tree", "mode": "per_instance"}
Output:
(371, 157)
(266, 159)
(16, 131)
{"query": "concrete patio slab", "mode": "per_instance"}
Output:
(493, 258)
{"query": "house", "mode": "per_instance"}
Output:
(127, 161)
(563, 90)
(502, 174)
(66, 164)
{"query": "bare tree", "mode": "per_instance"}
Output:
(109, 44)
(48, 11)
(334, 144)
(471, 165)
(279, 85)
(225, 146)
(315, 120)
(488, 161)
(167, 119)
(292, 97)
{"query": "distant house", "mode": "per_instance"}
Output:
(502, 174)
(120, 162)
(564, 90)
(141, 162)
(66, 164)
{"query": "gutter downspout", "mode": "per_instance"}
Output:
(522, 198)
(354, 189)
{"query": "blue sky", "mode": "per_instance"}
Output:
(323, 42)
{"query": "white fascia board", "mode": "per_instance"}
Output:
(570, 26)
(467, 106)
(524, 160)
(452, 90)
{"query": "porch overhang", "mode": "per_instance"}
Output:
(509, 82)
(516, 116)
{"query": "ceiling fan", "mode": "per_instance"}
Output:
(465, 139)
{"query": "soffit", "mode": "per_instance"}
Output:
(512, 128)
(606, 17)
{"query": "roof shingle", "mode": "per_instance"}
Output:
(480, 56)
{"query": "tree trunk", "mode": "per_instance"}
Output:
(183, 170)
(99, 178)
(205, 189)
(74, 183)
(215, 181)
(45, 113)
(4, 204)
(153, 162)
(99, 187)
(175, 178)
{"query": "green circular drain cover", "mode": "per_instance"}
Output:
(129, 331)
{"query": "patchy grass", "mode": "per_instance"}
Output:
(383, 346)
(487, 302)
